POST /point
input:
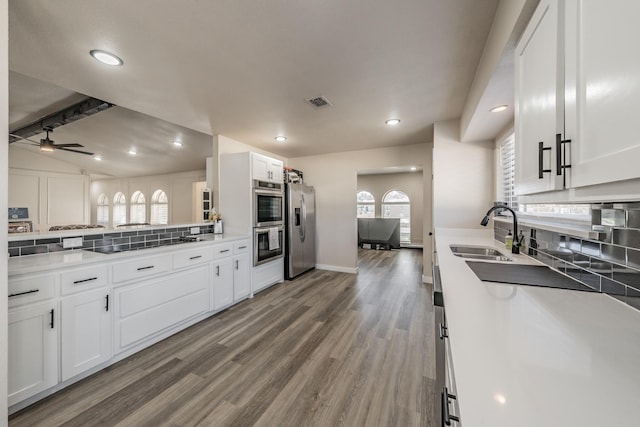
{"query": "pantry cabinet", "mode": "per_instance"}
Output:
(539, 100)
(603, 90)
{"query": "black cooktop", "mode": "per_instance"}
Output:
(530, 275)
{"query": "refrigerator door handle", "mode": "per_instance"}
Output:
(303, 223)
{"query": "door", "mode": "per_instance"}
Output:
(32, 351)
(86, 331)
(223, 283)
(603, 75)
(309, 230)
(539, 101)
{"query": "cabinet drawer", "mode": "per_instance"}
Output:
(192, 257)
(83, 279)
(222, 250)
(241, 247)
(28, 289)
(142, 267)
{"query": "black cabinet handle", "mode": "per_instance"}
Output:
(51, 322)
(443, 331)
(446, 416)
(226, 250)
(75, 282)
(145, 268)
(217, 270)
(242, 247)
(541, 169)
(196, 257)
(561, 157)
(32, 291)
(106, 307)
(236, 264)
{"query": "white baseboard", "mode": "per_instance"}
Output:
(427, 279)
(337, 268)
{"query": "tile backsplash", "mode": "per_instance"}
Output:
(608, 264)
(125, 240)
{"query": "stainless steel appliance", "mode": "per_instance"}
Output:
(268, 204)
(300, 224)
(264, 248)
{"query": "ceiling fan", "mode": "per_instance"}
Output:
(48, 145)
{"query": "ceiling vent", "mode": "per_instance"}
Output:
(318, 102)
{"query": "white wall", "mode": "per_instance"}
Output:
(178, 186)
(410, 183)
(4, 171)
(463, 178)
(334, 177)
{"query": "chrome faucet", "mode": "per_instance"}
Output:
(517, 241)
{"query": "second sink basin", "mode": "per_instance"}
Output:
(479, 252)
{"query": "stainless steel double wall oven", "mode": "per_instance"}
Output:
(268, 223)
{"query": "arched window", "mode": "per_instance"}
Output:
(102, 212)
(366, 205)
(396, 204)
(119, 209)
(159, 208)
(138, 212)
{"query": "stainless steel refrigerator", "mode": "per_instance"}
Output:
(300, 226)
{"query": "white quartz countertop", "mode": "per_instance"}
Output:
(529, 357)
(79, 257)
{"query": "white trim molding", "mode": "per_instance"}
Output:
(427, 279)
(337, 268)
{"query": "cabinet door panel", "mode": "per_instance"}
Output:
(539, 100)
(241, 277)
(32, 351)
(86, 332)
(604, 72)
(222, 283)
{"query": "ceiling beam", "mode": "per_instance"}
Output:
(77, 111)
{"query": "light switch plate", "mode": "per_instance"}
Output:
(195, 230)
(72, 242)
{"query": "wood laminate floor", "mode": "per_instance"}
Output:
(327, 349)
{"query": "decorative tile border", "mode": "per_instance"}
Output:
(123, 241)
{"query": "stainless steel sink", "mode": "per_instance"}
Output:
(479, 253)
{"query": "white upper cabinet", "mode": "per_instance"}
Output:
(539, 101)
(603, 90)
(266, 169)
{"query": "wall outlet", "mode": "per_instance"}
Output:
(72, 242)
(195, 230)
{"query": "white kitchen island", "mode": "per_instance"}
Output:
(528, 356)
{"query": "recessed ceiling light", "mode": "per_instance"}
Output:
(97, 157)
(177, 143)
(280, 138)
(393, 122)
(132, 152)
(499, 108)
(106, 57)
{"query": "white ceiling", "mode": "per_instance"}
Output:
(244, 68)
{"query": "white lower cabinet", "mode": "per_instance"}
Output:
(32, 350)
(222, 294)
(147, 308)
(241, 277)
(85, 331)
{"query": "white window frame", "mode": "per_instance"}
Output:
(159, 208)
(102, 210)
(405, 223)
(119, 209)
(367, 204)
(138, 208)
